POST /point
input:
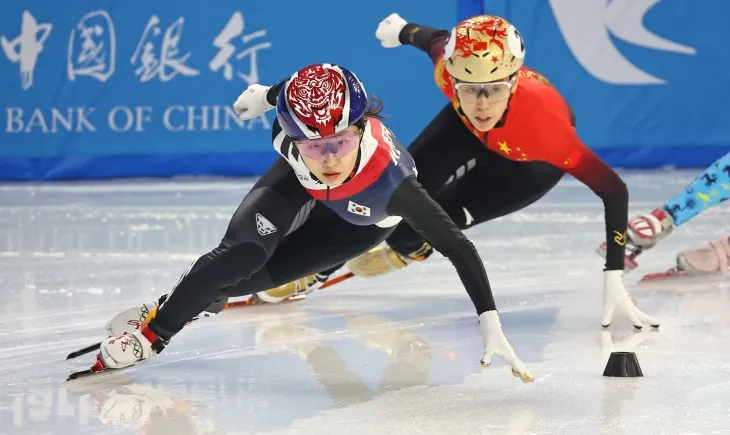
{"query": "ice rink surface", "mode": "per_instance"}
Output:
(390, 355)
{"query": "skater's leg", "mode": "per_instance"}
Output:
(255, 230)
(253, 235)
(709, 189)
(251, 258)
(706, 191)
(333, 239)
(491, 190)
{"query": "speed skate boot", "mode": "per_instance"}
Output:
(129, 349)
(377, 261)
(383, 259)
(294, 290)
(642, 233)
(133, 319)
(709, 259)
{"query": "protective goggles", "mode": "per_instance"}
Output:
(493, 91)
(338, 145)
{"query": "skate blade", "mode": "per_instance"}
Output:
(258, 302)
(84, 351)
(97, 368)
(672, 273)
(679, 277)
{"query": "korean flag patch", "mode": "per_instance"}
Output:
(358, 209)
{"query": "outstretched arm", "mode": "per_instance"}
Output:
(424, 214)
(273, 93)
(428, 39)
(601, 179)
(256, 100)
(421, 212)
(394, 31)
(605, 182)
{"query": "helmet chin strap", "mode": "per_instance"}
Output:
(357, 163)
(501, 121)
(509, 101)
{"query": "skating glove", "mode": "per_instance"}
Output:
(389, 30)
(616, 297)
(495, 343)
(252, 102)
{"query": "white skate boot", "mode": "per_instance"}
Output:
(132, 319)
(642, 233)
(495, 343)
(129, 349)
(646, 230)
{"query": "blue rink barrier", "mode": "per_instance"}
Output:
(145, 89)
(95, 89)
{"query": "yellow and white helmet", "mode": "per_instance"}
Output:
(484, 48)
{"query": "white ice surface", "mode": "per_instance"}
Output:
(396, 354)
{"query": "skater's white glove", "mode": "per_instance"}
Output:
(495, 343)
(616, 297)
(389, 30)
(252, 102)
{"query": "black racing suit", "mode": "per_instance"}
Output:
(308, 237)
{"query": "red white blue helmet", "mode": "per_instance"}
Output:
(320, 100)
